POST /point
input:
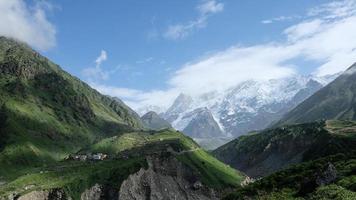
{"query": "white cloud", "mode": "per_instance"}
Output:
(205, 9)
(210, 7)
(230, 67)
(103, 57)
(97, 73)
(304, 29)
(279, 19)
(327, 38)
(137, 98)
(334, 9)
(28, 24)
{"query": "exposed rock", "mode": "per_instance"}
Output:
(100, 192)
(324, 177)
(165, 179)
(54, 194)
(202, 124)
(247, 181)
(327, 176)
(93, 193)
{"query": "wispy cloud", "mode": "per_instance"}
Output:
(27, 23)
(97, 73)
(144, 61)
(279, 19)
(326, 37)
(205, 10)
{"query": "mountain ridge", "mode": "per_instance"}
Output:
(334, 101)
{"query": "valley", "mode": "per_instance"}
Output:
(240, 101)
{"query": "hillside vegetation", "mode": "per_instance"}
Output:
(259, 154)
(305, 161)
(46, 113)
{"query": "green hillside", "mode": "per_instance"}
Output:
(259, 154)
(305, 161)
(334, 101)
(301, 181)
(46, 113)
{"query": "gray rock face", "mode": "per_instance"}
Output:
(181, 104)
(327, 176)
(153, 121)
(100, 192)
(202, 125)
(164, 179)
(93, 193)
(54, 194)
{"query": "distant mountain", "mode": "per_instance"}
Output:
(334, 101)
(181, 104)
(202, 124)
(153, 121)
(251, 105)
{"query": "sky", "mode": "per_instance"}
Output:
(148, 52)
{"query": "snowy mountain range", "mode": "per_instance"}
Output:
(250, 105)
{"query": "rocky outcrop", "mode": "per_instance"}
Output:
(54, 194)
(165, 179)
(100, 192)
(327, 176)
(93, 193)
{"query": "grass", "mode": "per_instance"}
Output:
(116, 144)
(212, 172)
(74, 177)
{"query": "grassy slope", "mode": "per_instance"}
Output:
(46, 113)
(74, 177)
(338, 148)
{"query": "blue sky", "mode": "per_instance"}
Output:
(147, 52)
(132, 34)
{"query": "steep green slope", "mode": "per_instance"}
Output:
(334, 101)
(46, 113)
(259, 154)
